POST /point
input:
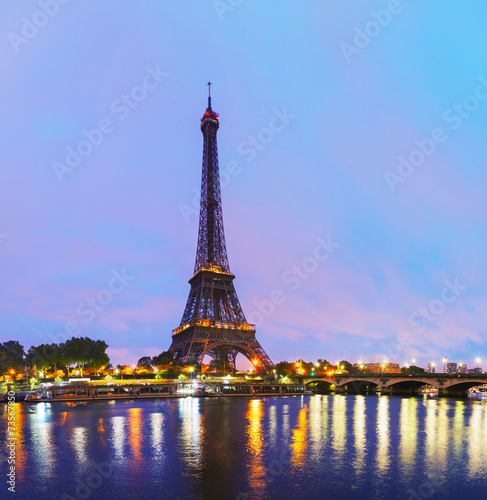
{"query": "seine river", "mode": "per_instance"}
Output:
(302, 447)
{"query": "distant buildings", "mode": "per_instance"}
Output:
(451, 368)
(378, 367)
(476, 371)
(462, 368)
(431, 368)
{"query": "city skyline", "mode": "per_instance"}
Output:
(352, 187)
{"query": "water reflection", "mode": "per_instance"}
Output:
(382, 446)
(359, 433)
(192, 432)
(476, 441)
(338, 426)
(408, 429)
(157, 434)
(118, 435)
(135, 432)
(255, 445)
(383, 434)
(299, 440)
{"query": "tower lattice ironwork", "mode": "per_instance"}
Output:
(213, 321)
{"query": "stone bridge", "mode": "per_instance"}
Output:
(395, 383)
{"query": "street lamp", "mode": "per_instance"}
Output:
(445, 359)
(478, 362)
(191, 370)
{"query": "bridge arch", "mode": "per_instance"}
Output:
(358, 386)
(320, 386)
(410, 385)
(462, 386)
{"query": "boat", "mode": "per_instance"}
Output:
(202, 392)
(85, 392)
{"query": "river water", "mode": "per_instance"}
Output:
(309, 447)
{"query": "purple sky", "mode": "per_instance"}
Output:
(328, 172)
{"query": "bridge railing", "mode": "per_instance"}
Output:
(402, 375)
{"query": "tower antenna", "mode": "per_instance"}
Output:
(209, 94)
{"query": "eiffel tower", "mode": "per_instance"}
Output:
(213, 322)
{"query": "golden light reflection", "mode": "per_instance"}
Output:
(299, 440)
(101, 428)
(272, 439)
(408, 430)
(192, 432)
(79, 440)
(255, 413)
(383, 434)
(430, 429)
(476, 440)
(101, 432)
(118, 435)
(157, 434)
(285, 423)
(458, 428)
(338, 426)
(443, 431)
(359, 433)
(135, 431)
(315, 425)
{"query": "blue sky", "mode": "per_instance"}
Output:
(349, 87)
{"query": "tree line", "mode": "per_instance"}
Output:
(82, 352)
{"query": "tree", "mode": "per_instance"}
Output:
(45, 356)
(347, 366)
(98, 358)
(12, 357)
(220, 365)
(145, 362)
(36, 357)
(85, 352)
(285, 369)
(165, 358)
(412, 369)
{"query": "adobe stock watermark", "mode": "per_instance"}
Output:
(454, 116)
(293, 278)
(224, 6)
(425, 316)
(121, 107)
(249, 148)
(422, 318)
(87, 310)
(275, 468)
(372, 29)
(92, 478)
(31, 27)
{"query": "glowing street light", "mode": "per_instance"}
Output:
(191, 370)
(445, 359)
(478, 362)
